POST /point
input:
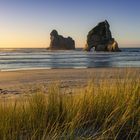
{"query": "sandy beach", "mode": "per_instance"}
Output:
(17, 82)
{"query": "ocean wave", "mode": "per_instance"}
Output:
(40, 58)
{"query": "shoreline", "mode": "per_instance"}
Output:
(49, 68)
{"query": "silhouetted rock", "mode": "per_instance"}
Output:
(100, 37)
(58, 42)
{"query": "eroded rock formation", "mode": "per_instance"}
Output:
(100, 38)
(58, 42)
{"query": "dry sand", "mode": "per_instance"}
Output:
(17, 82)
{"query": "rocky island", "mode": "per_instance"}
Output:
(58, 42)
(100, 38)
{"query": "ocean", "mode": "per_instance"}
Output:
(24, 59)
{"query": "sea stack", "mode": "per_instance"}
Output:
(58, 42)
(100, 38)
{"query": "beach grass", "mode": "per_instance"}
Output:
(104, 110)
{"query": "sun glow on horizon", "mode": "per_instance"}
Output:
(36, 40)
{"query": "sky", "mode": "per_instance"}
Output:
(28, 23)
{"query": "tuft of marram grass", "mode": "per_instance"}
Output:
(103, 110)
